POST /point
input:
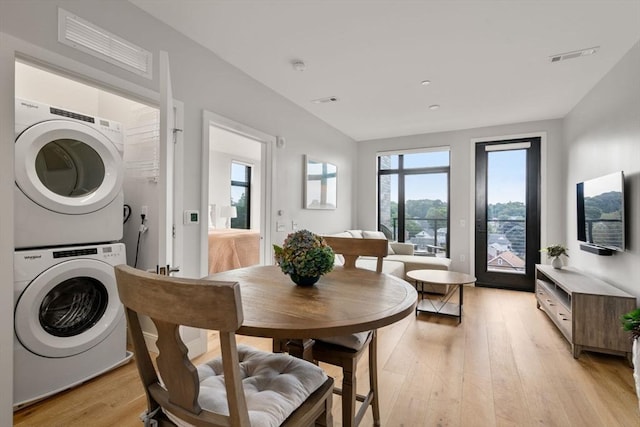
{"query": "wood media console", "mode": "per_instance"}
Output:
(585, 309)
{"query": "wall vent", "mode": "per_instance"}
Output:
(89, 38)
(575, 54)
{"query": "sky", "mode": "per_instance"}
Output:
(507, 176)
(506, 181)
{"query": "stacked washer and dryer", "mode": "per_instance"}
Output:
(69, 322)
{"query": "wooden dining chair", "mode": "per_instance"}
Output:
(345, 351)
(242, 387)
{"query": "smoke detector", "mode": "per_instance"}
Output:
(575, 54)
(299, 65)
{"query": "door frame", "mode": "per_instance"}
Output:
(267, 170)
(472, 187)
(17, 49)
(36, 55)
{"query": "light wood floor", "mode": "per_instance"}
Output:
(505, 365)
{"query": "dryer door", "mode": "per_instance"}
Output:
(67, 167)
(68, 309)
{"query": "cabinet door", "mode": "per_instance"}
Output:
(597, 321)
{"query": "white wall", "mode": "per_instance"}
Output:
(6, 230)
(203, 82)
(462, 180)
(602, 135)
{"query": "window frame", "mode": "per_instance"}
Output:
(401, 172)
(247, 188)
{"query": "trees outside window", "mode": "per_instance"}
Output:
(413, 199)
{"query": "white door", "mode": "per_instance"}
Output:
(165, 187)
(170, 194)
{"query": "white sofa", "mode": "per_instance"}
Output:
(400, 259)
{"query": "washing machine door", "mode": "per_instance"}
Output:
(68, 309)
(67, 167)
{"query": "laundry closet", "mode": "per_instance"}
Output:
(86, 167)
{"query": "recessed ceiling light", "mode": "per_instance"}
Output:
(425, 82)
(434, 107)
(325, 100)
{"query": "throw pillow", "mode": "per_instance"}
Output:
(356, 233)
(377, 235)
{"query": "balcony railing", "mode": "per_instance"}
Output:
(432, 241)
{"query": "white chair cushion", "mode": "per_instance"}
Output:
(275, 384)
(353, 341)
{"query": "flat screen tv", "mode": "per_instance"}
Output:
(601, 211)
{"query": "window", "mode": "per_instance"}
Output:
(413, 200)
(241, 195)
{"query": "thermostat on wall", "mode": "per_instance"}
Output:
(191, 217)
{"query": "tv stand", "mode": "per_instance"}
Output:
(595, 249)
(585, 309)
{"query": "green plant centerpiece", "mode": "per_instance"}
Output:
(305, 257)
(554, 252)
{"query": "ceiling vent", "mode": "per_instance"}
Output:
(325, 100)
(575, 54)
(89, 38)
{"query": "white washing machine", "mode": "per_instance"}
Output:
(68, 174)
(69, 323)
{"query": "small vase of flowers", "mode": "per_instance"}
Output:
(305, 257)
(554, 252)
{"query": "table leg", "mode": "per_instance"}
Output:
(302, 349)
(460, 304)
(421, 294)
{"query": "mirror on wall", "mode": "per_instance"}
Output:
(321, 184)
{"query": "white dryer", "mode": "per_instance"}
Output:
(68, 174)
(69, 322)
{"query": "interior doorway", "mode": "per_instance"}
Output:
(507, 213)
(141, 118)
(236, 193)
(139, 121)
(140, 127)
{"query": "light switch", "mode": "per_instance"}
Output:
(191, 217)
(281, 226)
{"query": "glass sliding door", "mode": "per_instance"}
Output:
(507, 213)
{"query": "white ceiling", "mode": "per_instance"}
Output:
(488, 61)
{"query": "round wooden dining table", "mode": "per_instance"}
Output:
(343, 301)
